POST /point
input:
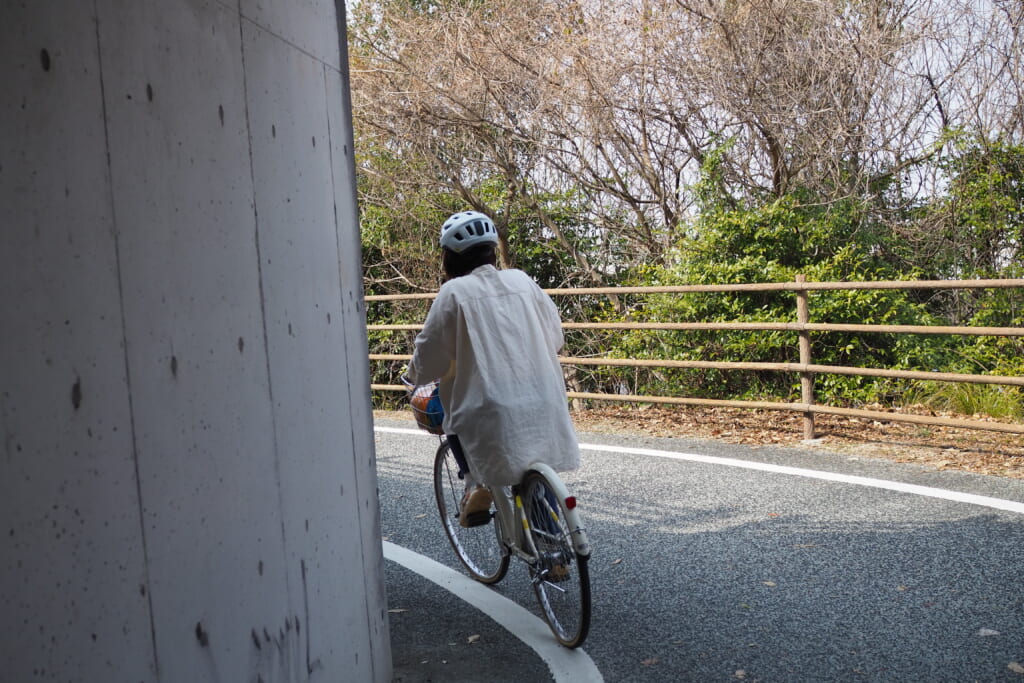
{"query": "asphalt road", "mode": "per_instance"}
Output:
(709, 571)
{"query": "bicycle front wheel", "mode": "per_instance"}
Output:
(561, 578)
(478, 548)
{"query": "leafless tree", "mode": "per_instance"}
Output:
(619, 106)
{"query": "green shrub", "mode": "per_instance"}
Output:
(774, 243)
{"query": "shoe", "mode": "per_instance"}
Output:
(476, 507)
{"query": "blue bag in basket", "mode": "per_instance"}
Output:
(426, 406)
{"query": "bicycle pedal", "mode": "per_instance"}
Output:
(475, 519)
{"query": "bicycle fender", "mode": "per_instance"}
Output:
(580, 542)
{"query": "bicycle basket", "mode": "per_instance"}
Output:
(427, 408)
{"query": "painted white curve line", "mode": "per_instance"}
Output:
(566, 666)
(915, 489)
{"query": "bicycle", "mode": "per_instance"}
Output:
(535, 521)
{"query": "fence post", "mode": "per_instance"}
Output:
(806, 378)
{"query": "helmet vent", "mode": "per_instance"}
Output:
(466, 229)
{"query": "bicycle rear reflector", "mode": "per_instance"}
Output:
(570, 502)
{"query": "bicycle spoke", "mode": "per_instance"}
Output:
(477, 547)
(560, 578)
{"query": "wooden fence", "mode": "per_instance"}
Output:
(804, 366)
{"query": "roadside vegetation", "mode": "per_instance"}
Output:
(663, 142)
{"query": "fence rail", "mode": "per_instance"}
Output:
(750, 287)
(792, 327)
(805, 368)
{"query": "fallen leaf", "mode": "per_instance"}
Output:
(650, 662)
(740, 674)
(1015, 667)
(618, 561)
(987, 632)
(473, 638)
(397, 610)
(770, 584)
(902, 588)
(420, 516)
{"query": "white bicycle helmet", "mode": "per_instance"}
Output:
(466, 229)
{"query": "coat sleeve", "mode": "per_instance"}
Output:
(434, 352)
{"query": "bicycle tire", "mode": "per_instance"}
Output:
(560, 577)
(478, 548)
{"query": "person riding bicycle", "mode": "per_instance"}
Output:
(492, 338)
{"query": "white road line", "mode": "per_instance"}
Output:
(567, 666)
(944, 494)
(958, 496)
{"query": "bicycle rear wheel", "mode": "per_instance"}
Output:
(561, 578)
(478, 548)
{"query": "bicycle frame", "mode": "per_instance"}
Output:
(513, 523)
(534, 521)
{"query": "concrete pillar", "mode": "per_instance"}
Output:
(187, 483)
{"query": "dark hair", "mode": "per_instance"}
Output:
(457, 265)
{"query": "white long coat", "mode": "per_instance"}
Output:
(493, 337)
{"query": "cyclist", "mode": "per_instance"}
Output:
(492, 337)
